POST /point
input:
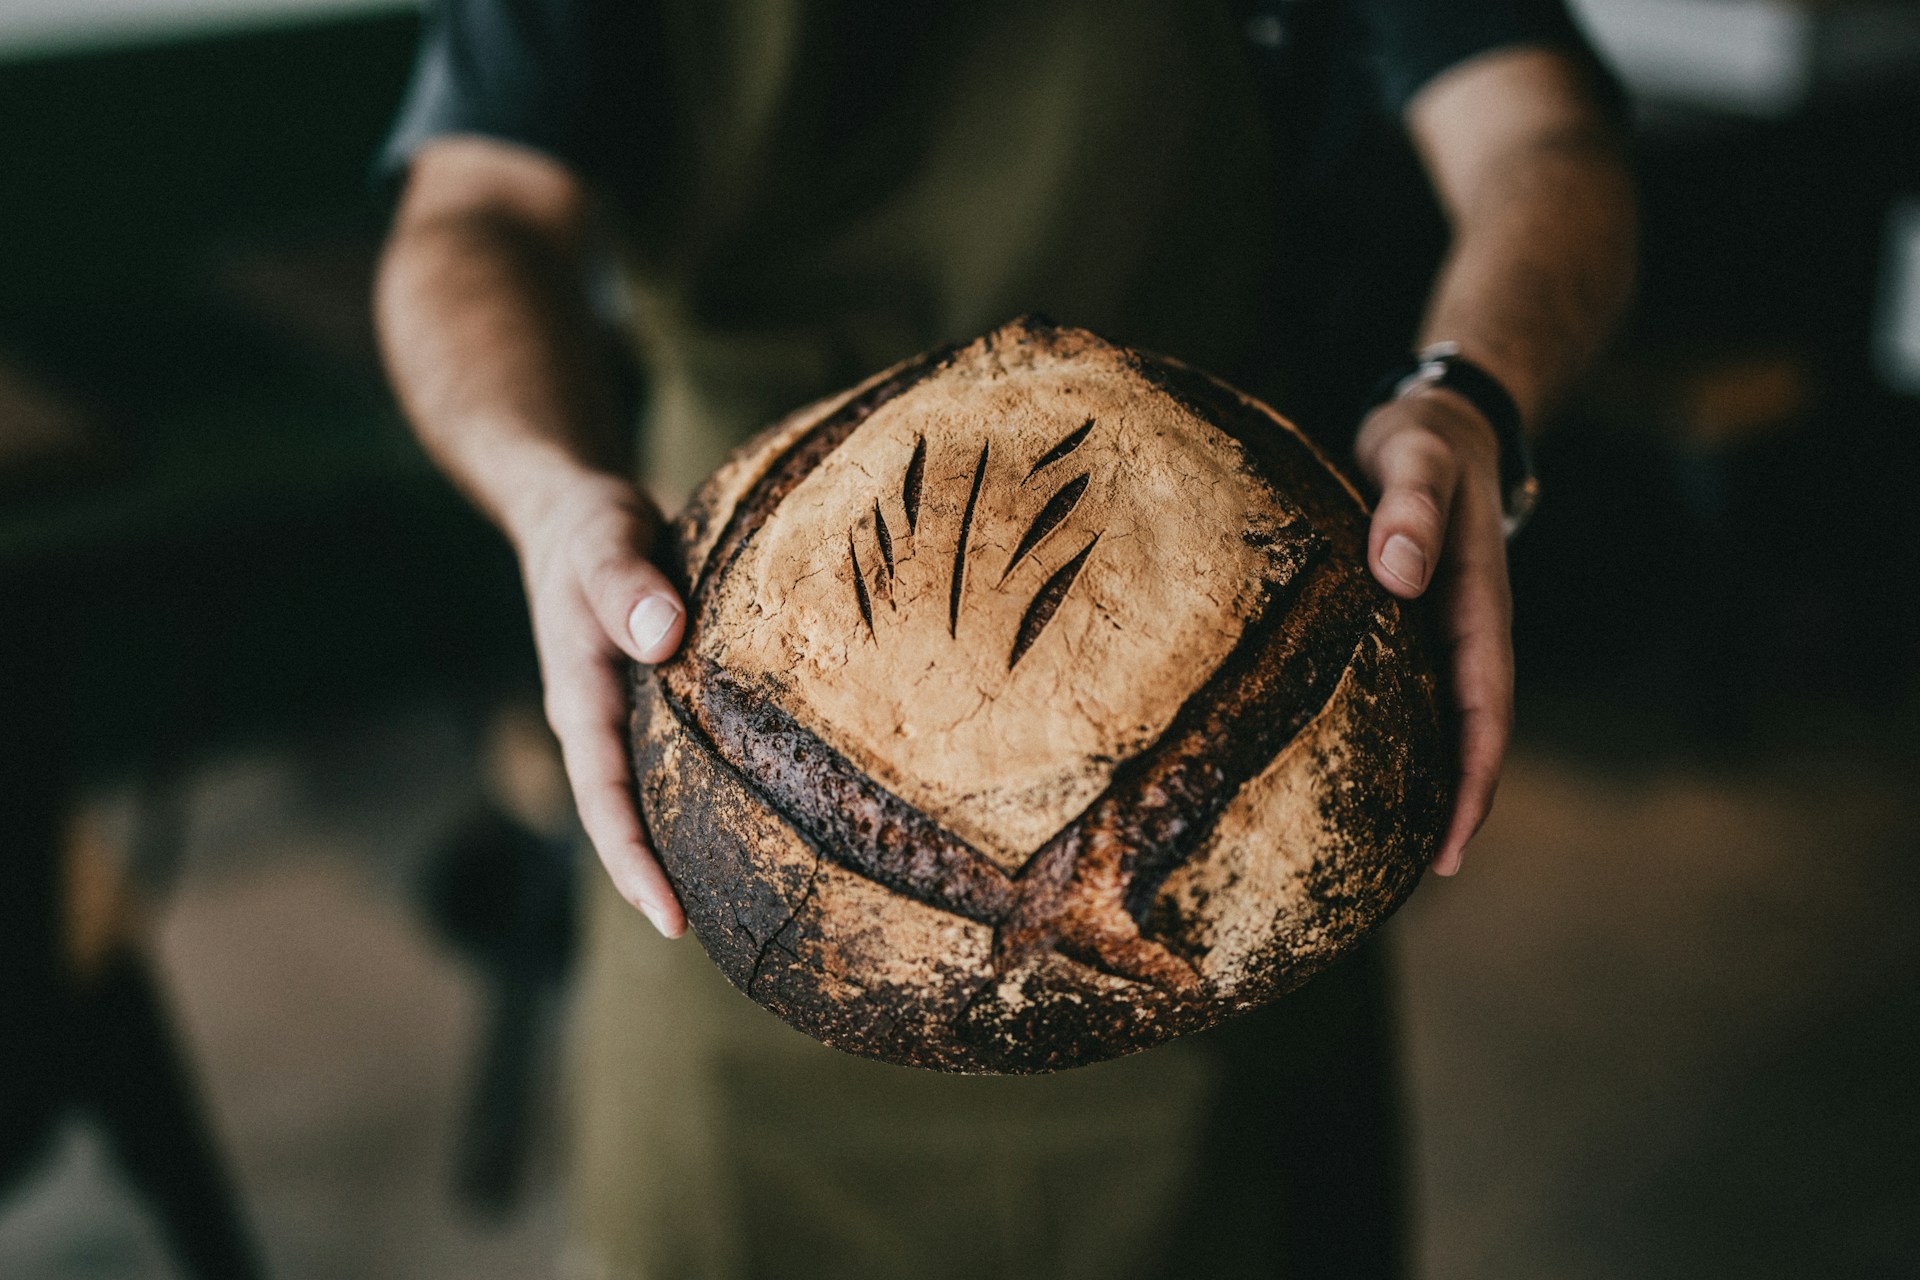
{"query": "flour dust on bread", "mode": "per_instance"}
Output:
(1036, 706)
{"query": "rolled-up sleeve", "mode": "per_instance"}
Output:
(1412, 41)
(515, 70)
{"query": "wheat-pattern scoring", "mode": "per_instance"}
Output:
(1046, 599)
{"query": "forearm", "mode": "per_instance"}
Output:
(1542, 256)
(1539, 270)
(493, 351)
(493, 348)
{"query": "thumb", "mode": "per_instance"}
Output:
(636, 605)
(1417, 475)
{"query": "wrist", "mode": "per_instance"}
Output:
(551, 494)
(1439, 375)
(1457, 417)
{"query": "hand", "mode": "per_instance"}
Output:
(1436, 465)
(596, 601)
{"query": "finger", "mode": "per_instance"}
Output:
(1483, 748)
(1482, 631)
(1417, 474)
(634, 603)
(586, 707)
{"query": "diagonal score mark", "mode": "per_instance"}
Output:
(911, 482)
(960, 551)
(1068, 443)
(885, 535)
(1058, 508)
(1046, 602)
(1087, 891)
(860, 589)
(841, 812)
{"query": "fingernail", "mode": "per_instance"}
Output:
(1405, 561)
(652, 913)
(650, 621)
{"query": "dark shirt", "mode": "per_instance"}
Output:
(574, 78)
(1354, 235)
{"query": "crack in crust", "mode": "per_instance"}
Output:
(838, 809)
(885, 537)
(1088, 890)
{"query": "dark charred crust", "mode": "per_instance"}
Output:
(885, 536)
(1068, 443)
(1086, 892)
(791, 861)
(845, 815)
(713, 852)
(1046, 602)
(860, 588)
(910, 486)
(1089, 890)
(780, 940)
(960, 548)
(1169, 796)
(1058, 508)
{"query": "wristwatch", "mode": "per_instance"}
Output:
(1442, 365)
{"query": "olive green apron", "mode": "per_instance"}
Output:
(714, 1141)
(822, 211)
(842, 185)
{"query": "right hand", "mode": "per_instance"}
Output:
(596, 602)
(1435, 463)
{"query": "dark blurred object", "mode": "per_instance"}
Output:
(1765, 58)
(46, 440)
(503, 895)
(1897, 345)
(220, 533)
(85, 1027)
(1360, 231)
(190, 235)
(1722, 546)
(311, 292)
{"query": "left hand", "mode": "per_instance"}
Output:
(1436, 466)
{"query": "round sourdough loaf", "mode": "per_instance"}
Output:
(1036, 705)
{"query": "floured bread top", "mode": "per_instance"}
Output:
(998, 587)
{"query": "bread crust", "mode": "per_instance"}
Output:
(1036, 706)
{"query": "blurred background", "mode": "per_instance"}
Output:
(264, 681)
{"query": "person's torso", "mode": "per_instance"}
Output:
(840, 185)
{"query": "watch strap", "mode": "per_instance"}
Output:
(1442, 365)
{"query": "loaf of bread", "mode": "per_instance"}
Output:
(1036, 705)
